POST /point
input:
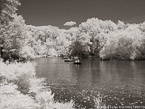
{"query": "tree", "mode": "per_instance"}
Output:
(7, 9)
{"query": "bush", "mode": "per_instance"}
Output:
(20, 89)
(124, 44)
(11, 98)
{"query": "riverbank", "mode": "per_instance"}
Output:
(21, 89)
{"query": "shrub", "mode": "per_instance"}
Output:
(11, 98)
(20, 89)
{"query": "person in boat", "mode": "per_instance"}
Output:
(77, 62)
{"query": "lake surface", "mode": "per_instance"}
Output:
(119, 83)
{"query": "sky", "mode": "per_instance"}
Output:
(57, 12)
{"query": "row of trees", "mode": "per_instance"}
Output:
(109, 40)
(104, 39)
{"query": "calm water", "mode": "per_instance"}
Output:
(118, 82)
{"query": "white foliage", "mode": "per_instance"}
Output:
(11, 98)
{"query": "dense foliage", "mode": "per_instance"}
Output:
(103, 39)
(12, 29)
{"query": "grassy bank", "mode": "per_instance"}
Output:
(20, 89)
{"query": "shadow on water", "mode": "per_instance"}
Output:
(120, 83)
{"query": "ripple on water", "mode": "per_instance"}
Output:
(85, 98)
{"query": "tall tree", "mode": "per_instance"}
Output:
(7, 9)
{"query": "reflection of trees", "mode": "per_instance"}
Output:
(138, 74)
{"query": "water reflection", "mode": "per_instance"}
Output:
(93, 73)
(119, 82)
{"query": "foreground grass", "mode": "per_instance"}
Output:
(20, 89)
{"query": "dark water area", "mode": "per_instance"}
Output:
(118, 83)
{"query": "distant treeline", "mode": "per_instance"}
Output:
(95, 37)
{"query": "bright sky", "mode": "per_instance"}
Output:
(57, 12)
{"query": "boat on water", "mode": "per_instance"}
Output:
(77, 62)
(64, 57)
(68, 60)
